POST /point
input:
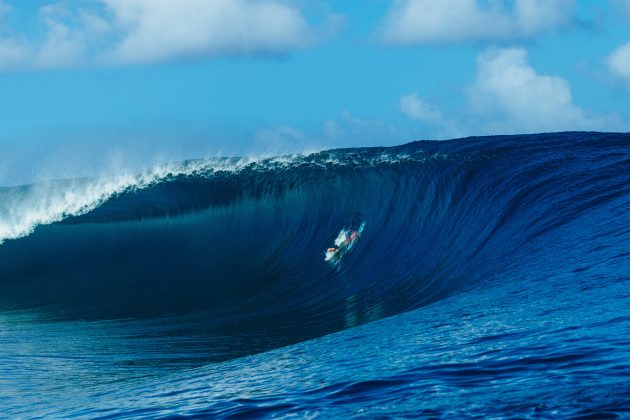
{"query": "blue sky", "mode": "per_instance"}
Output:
(91, 85)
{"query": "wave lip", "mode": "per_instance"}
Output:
(24, 208)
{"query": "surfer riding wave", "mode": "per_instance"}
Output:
(344, 242)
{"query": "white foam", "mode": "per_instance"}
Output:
(25, 208)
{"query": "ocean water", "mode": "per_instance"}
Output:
(492, 279)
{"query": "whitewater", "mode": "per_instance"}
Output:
(492, 279)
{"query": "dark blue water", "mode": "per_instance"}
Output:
(492, 280)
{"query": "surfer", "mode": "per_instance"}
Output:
(344, 242)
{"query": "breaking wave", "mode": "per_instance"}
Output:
(488, 245)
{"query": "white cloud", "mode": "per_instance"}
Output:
(416, 109)
(147, 31)
(425, 21)
(13, 54)
(510, 96)
(60, 47)
(619, 63)
(156, 30)
(518, 98)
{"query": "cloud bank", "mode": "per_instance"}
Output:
(510, 96)
(110, 32)
(156, 30)
(449, 21)
(518, 98)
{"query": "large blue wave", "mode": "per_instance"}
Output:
(505, 260)
(244, 241)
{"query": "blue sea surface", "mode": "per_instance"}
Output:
(492, 279)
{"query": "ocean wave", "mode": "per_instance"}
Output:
(501, 265)
(441, 217)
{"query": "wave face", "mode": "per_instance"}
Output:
(203, 262)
